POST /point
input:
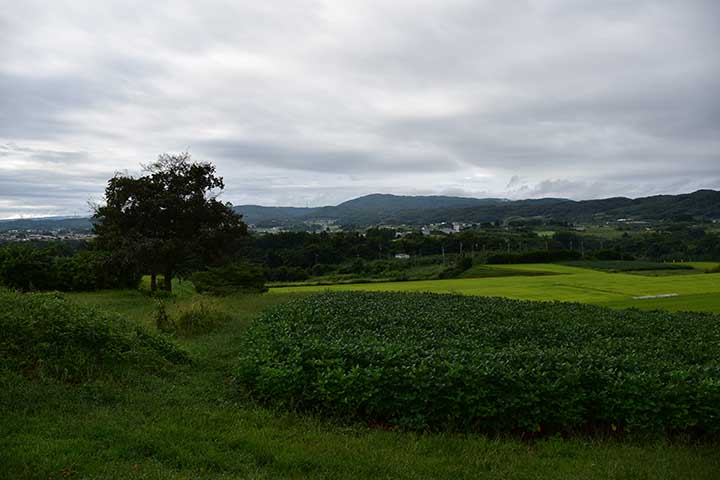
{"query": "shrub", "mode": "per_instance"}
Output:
(198, 318)
(321, 269)
(44, 335)
(288, 274)
(163, 322)
(229, 279)
(462, 264)
(447, 362)
(356, 266)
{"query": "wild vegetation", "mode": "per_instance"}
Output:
(44, 335)
(229, 279)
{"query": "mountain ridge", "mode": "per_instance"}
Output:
(382, 208)
(376, 209)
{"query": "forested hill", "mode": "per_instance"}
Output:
(46, 223)
(393, 209)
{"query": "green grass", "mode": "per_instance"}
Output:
(418, 272)
(570, 284)
(190, 423)
(485, 271)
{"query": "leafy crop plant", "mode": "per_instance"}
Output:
(426, 361)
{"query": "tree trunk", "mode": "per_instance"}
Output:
(168, 281)
(153, 282)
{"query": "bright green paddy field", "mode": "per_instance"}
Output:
(692, 290)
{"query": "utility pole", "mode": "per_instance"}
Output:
(443, 254)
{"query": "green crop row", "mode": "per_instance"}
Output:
(460, 363)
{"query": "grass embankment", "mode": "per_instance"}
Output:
(188, 422)
(697, 292)
(46, 336)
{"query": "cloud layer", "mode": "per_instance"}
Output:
(313, 102)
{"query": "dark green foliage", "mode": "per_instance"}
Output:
(169, 220)
(229, 279)
(43, 335)
(611, 254)
(51, 267)
(462, 264)
(321, 269)
(294, 256)
(445, 362)
(627, 265)
(539, 256)
(287, 274)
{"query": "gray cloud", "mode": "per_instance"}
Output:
(313, 102)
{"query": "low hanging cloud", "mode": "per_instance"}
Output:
(314, 102)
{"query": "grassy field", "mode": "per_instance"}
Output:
(190, 424)
(698, 291)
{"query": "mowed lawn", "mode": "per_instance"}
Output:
(696, 292)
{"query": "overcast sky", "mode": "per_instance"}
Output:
(315, 102)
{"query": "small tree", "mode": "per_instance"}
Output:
(169, 220)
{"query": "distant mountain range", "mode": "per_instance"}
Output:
(378, 209)
(46, 223)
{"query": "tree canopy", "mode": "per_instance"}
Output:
(168, 221)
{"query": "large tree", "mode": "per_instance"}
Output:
(169, 220)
